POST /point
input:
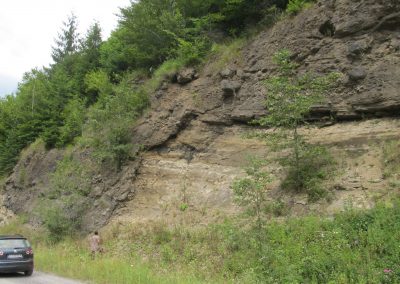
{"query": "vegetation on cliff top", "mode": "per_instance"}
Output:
(94, 82)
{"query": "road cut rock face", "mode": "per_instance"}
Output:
(193, 133)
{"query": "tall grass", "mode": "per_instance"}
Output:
(353, 247)
(71, 260)
(222, 54)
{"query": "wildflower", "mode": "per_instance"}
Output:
(387, 270)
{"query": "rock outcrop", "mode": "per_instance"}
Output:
(193, 132)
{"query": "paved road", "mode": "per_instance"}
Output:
(36, 278)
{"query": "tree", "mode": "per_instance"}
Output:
(289, 101)
(67, 42)
(251, 191)
(91, 47)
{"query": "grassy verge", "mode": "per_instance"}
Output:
(353, 247)
(71, 260)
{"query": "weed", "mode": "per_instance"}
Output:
(183, 207)
(391, 159)
(222, 54)
(295, 6)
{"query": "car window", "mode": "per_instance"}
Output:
(14, 243)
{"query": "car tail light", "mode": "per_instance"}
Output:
(1, 253)
(29, 251)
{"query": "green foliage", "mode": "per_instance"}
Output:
(67, 42)
(352, 247)
(251, 192)
(290, 97)
(192, 53)
(71, 177)
(151, 32)
(107, 130)
(295, 6)
(165, 72)
(316, 165)
(222, 54)
(2, 183)
(289, 101)
(183, 207)
(58, 102)
(391, 159)
(277, 208)
(57, 223)
(64, 202)
(74, 115)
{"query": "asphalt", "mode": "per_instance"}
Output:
(36, 278)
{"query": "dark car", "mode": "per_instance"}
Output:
(16, 255)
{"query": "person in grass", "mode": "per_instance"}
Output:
(94, 243)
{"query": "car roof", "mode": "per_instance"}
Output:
(6, 237)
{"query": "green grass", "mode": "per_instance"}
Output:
(353, 247)
(164, 72)
(222, 54)
(296, 6)
(71, 259)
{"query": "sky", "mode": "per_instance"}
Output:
(28, 29)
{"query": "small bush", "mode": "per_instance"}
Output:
(316, 165)
(58, 223)
(72, 176)
(277, 208)
(107, 130)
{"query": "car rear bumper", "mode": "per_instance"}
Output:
(16, 266)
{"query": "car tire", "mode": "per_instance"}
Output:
(28, 272)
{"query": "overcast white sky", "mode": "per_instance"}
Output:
(28, 29)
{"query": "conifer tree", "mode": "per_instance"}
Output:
(91, 47)
(67, 40)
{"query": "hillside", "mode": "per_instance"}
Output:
(192, 135)
(155, 157)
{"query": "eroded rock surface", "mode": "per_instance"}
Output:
(193, 133)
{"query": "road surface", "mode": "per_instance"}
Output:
(36, 278)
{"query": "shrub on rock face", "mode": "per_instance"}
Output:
(289, 101)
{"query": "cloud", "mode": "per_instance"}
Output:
(28, 29)
(8, 85)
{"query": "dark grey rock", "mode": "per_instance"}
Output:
(227, 73)
(230, 86)
(248, 110)
(357, 48)
(357, 73)
(242, 75)
(187, 75)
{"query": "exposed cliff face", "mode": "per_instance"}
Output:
(332, 36)
(193, 132)
(169, 178)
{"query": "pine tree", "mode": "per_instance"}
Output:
(67, 41)
(91, 47)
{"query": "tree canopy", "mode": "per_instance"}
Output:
(89, 76)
